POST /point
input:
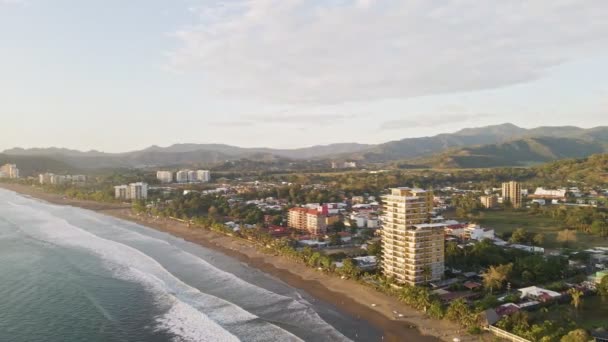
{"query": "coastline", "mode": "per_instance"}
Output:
(349, 296)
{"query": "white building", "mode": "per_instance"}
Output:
(203, 176)
(9, 171)
(133, 191)
(192, 176)
(164, 176)
(181, 176)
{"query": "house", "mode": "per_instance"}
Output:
(537, 293)
(489, 317)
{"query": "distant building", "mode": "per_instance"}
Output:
(192, 176)
(50, 178)
(489, 201)
(203, 176)
(541, 193)
(133, 191)
(413, 250)
(9, 171)
(164, 176)
(511, 191)
(182, 176)
(310, 220)
(343, 165)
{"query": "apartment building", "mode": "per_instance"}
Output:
(310, 220)
(50, 178)
(511, 191)
(164, 177)
(203, 176)
(182, 176)
(489, 201)
(413, 249)
(133, 191)
(9, 171)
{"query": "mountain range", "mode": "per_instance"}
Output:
(489, 146)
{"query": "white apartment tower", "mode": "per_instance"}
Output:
(203, 176)
(133, 191)
(413, 249)
(181, 176)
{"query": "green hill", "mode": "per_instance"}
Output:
(520, 152)
(33, 165)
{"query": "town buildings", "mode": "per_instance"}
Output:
(133, 191)
(181, 176)
(413, 250)
(511, 192)
(311, 220)
(164, 176)
(51, 178)
(489, 201)
(9, 171)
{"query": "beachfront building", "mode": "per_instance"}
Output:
(50, 178)
(488, 202)
(511, 191)
(9, 171)
(133, 191)
(413, 249)
(310, 220)
(164, 177)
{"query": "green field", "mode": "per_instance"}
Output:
(592, 314)
(509, 220)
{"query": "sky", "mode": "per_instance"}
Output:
(116, 75)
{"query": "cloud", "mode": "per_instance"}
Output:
(425, 121)
(328, 52)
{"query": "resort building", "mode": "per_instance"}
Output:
(310, 220)
(488, 202)
(511, 191)
(413, 250)
(164, 176)
(9, 171)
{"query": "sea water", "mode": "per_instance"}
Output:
(69, 274)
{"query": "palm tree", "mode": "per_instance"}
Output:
(496, 275)
(576, 297)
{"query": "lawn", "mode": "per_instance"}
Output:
(509, 220)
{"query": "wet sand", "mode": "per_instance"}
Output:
(349, 296)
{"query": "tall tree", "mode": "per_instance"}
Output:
(576, 297)
(495, 276)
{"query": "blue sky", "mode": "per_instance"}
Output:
(122, 75)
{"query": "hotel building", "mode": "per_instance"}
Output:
(310, 220)
(164, 176)
(413, 249)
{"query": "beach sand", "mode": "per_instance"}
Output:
(351, 297)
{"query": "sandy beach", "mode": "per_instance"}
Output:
(350, 296)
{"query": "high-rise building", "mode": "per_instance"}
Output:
(511, 192)
(182, 176)
(9, 171)
(192, 176)
(310, 220)
(413, 249)
(203, 175)
(164, 176)
(489, 201)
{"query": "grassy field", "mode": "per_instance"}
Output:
(509, 220)
(592, 314)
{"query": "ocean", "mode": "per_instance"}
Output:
(69, 274)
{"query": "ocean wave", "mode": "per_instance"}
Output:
(192, 315)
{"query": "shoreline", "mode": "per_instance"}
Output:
(350, 297)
